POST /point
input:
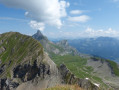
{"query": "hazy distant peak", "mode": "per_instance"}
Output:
(38, 35)
(63, 42)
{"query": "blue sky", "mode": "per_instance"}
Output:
(77, 18)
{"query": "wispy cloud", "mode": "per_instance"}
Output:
(82, 18)
(10, 18)
(37, 25)
(76, 12)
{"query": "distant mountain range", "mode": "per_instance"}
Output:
(105, 47)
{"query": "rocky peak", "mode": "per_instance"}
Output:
(60, 48)
(38, 35)
(70, 78)
(63, 42)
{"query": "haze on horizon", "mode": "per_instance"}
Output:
(61, 18)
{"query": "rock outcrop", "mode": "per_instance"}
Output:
(67, 48)
(39, 77)
(69, 78)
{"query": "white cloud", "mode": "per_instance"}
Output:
(87, 33)
(96, 33)
(83, 18)
(48, 12)
(37, 25)
(76, 12)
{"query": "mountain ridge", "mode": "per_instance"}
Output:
(24, 60)
(26, 66)
(54, 48)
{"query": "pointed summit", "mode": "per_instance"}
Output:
(38, 35)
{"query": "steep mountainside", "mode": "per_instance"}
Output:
(105, 47)
(61, 48)
(25, 66)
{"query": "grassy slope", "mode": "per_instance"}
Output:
(114, 67)
(18, 47)
(76, 64)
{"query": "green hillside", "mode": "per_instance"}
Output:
(78, 67)
(114, 66)
(16, 48)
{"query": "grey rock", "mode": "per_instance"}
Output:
(2, 49)
(71, 79)
(1, 42)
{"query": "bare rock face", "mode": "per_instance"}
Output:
(33, 77)
(2, 49)
(28, 72)
(6, 84)
(63, 43)
(1, 42)
(38, 77)
(69, 78)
